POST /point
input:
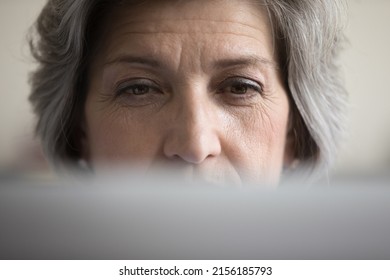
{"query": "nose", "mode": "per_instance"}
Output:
(192, 135)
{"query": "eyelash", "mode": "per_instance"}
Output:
(137, 82)
(247, 83)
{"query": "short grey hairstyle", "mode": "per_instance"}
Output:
(307, 35)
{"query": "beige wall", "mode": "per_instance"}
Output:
(366, 63)
(16, 119)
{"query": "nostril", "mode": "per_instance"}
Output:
(192, 152)
(189, 157)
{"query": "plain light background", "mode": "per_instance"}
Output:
(365, 64)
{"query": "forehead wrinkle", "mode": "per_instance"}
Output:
(191, 26)
(149, 57)
(158, 22)
(233, 60)
(183, 33)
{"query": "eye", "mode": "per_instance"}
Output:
(139, 92)
(138, 87)
(240, 87)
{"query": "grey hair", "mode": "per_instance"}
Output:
(60, 43)
(307, 35)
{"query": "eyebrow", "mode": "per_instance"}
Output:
(251, 60)
(135, 59)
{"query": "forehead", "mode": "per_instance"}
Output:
(206, 14)
(159, 27)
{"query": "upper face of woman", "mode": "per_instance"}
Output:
(192, 85)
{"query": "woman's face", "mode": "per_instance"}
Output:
(192, 85)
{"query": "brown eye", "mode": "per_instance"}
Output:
(139, 92)
(138, 89)
(240, 86)
(239, 89)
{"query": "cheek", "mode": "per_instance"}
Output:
(258, 139)
(119, 138)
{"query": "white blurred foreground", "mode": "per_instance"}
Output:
(159, 218)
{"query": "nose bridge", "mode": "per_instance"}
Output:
(194, 114)
(193, 135)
